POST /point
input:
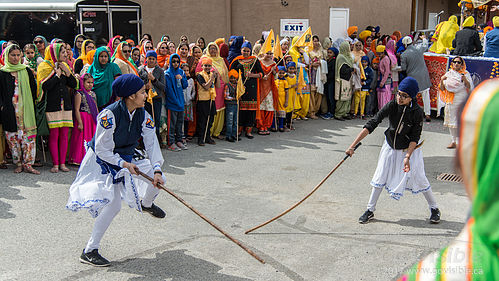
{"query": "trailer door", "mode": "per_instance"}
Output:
(126, 22)
(94, 23)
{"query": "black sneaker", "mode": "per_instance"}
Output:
(154, 210)
(94, 258)
(435, 216)
(366, 217)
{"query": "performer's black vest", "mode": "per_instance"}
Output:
(127, 132)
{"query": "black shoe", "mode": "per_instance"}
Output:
(435, 216)
(230, 139)
(154, 210)
(339, 118)
(210, 141)
(200, 142)
(249, 136)
(93, 258)
(366, 217)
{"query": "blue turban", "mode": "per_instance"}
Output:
(365, 58)
(291, 64)
(281, 68)
(377, 29)
(246, 44)
(335, 51)
(127, 85)
(410, 86)
(151, 53)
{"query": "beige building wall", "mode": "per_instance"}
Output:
(221, 18)
(389, 15)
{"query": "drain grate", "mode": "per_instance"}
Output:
(449, 177)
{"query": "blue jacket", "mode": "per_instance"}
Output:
(492, 43)
(174, 88)
(369, 79)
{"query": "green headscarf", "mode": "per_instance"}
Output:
(344, 57)
(103, 77)
(25, 101)
(480, 140)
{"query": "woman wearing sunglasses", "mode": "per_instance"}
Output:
(122, 58)
(455, 86)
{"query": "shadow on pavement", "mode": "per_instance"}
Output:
(172, 265)
(454, 226)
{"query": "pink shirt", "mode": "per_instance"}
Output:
(384, 69)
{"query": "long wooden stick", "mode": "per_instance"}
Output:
(237, 121)
(204, 218)
(301, 201)
(207, 122)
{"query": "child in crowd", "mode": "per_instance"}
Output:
(206, 82)
(283, 97)
(85, 114)
(293, 103)
(189, 95)
(360, 96)
(372, 99)
(29, 57)
(231, 106)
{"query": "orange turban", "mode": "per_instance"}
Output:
(233, 73)
(220, 41)
(90, 57)
(487, 29)
(352, 29)
(206, 60)
(375, 60)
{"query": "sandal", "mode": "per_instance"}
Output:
(18, 169)
(3, 166)
(261, 133)
(64, 168)
(54, 169)
(29, 169)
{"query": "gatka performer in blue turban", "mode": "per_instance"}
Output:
(108, 172)
(400, 165)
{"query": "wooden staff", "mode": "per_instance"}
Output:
(301, 201)
(207, 122)
(237, 119)
(203, 217)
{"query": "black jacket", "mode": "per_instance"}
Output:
(410, 126)
(466, 42)
(7, 86)
(55, 89)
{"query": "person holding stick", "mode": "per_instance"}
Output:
(207, 80)
(400, 164)
(252, 72)
(109, 170)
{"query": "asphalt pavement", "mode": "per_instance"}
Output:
(238, 186)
